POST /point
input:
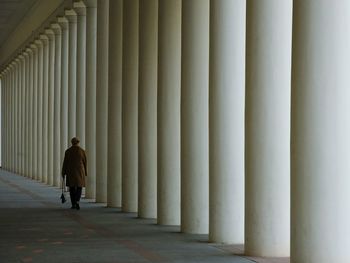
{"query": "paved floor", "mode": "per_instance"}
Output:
(36, 227)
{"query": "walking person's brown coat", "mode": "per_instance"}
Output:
(75, 166)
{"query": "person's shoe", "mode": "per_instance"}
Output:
(73, 207)
(77, 207)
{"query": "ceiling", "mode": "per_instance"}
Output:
(11, 14)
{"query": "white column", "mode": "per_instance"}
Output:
(39, 107)
(320, 167)
(80, 9)
(71, 15)
(51, 101)
(12, 116)
(226, 125)
(169, 90)
(23, 125)
(34, 110)
(57, 107)
(102, 100)
(130, 107)
(90, 110)
(19, 114)
(11, 119)
(26, 111)
(63, 22)
(114, 177)
(147, 112)
(5, 120)
(8, 87)
(3, 116)
(16, 116)
(194, 117)
(267, 136)
(45, 86)
(7, 99)
(3, 79)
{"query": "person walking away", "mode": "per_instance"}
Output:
(75, 169)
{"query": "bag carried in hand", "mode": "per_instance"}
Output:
(63, 198)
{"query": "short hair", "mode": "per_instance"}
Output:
(75, 141)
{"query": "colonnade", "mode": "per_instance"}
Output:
(198, 113)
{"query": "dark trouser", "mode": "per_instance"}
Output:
(75, 194)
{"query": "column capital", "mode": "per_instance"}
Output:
(56, 28)
(33, 47)
(80, 8)
(71, 16)
(90, 3)
(63, 22)
(38, 42)
(44, 39)
(50, 33)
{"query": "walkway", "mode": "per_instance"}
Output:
(36, 227)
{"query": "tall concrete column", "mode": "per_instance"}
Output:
(130, 106)
(34, 110)
(4, 119)
(63, 22)
(8, 136)
(31, 111)
(45, 89)
(147, 112)
(194, 117)
(114, 177)
(169, 90)
(4, 87)
(267, 136)
(26, 111)
(320, 168)
(102, 100)
(90, 109)
(11, 116)
(3, 79)
(16, 116)
(6, 126)
(80, 9)
(226, 121)
(22, 113)
(51, 101)
(57, 106)
(2, 104)
(71, 15)
(19, 114)
(39, 112)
